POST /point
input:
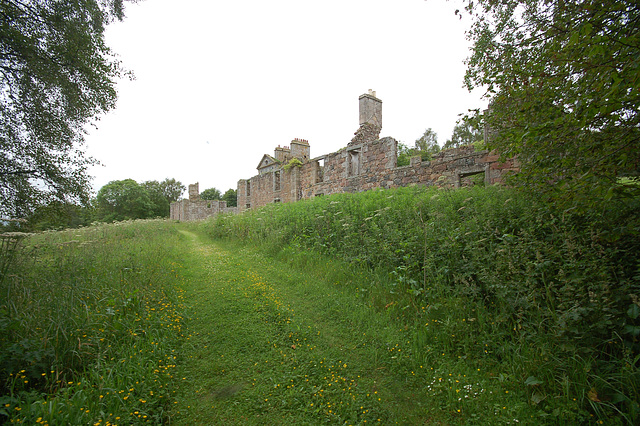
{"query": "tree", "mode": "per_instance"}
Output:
(56, 76)
(231, 197)
(56, 215)
(162, 194)
(563, 80)
(427, 144)
(404, 154)
(210, 194)
(465, 132)
(172, 189)
(124, 200)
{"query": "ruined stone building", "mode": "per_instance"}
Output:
(196, 209)
(367, 162)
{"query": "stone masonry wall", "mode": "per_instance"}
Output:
(188, 210)
(364, 164)
(361, 167)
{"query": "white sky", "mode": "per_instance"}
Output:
(220, 83)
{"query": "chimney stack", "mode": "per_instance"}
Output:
(370, 109)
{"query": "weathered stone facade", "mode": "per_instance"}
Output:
(365, 163)
(196, 209)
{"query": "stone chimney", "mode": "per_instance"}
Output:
(282, 153)
(370, 119)
(194, 191)
(370, 109)
(300, 149)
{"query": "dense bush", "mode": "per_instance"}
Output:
(552, 296)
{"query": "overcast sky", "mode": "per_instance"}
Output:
(220, 83)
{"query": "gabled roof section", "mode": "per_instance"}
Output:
(267, 161)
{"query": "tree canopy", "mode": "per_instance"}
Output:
(56, 76)
(162, 194)
(231, 197)
(563, 78)
(126, 199)
(465, 132)
(425, 146)
(211, 194)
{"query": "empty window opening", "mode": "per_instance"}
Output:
(319, 171)
(477, 178)
(353, 162)
(248, 188)
(276, 180)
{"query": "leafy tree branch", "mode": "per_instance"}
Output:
(56, 76)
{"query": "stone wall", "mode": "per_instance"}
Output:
(367, 162)
(196, 209)
(373, 165)
(187, 210)
(278, 186)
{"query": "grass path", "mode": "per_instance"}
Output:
(269, 345)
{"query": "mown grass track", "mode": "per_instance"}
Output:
(269, 345)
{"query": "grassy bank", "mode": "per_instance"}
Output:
(90, 324)
(543, 303)
(274, 342)
(394, 307)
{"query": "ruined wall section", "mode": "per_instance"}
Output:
(277, 186)
(453, 168)
(187, 210)
(359, 167)
(450, 168)
(362, 167)
(367, 162)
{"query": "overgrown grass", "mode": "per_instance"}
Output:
(544, 305)
(446, 307)
(90, 324)
(272, 342)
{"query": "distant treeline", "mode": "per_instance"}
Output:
(116, 201)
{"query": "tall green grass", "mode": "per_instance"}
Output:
(90, 322)
(546, 303)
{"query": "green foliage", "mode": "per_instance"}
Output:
(231, 197)
(123, 200)
(162, 194)
(126, 199)
(211, 194)
(425, 147)
(58, 215)
(543, 299)
(465, 132)
(9, 243)
(57, 76)
(404, 154)
(427, 144)
(563, 82)
(90, 322)
(294, 162)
